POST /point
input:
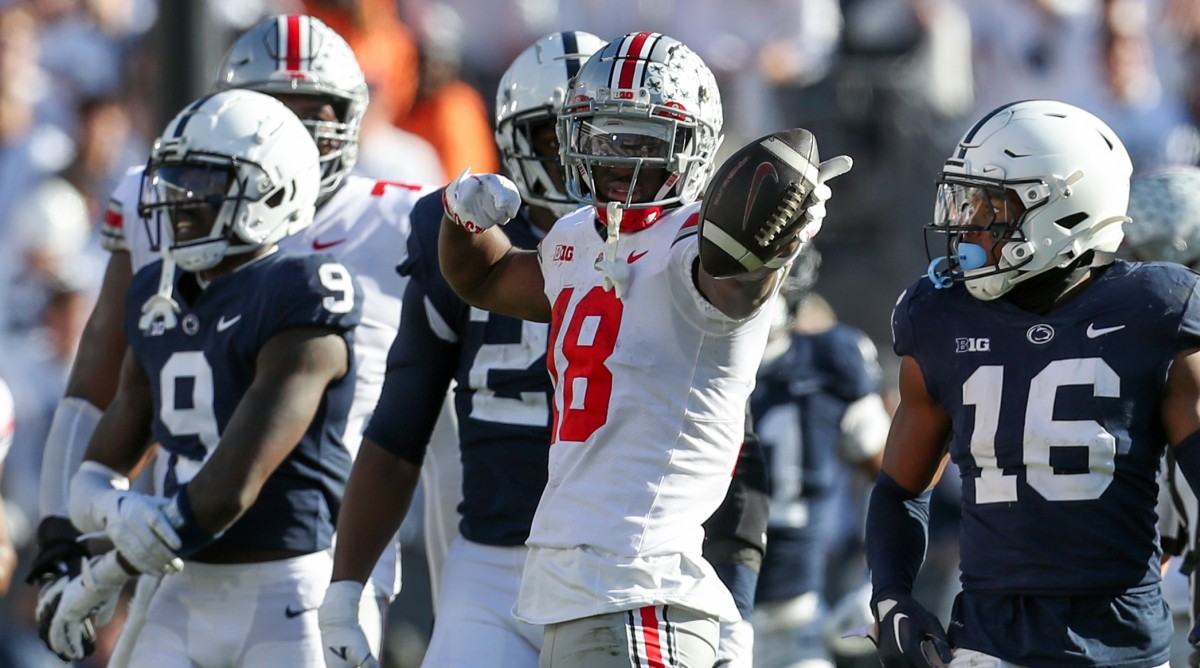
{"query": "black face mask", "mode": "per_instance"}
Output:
(1050, 288)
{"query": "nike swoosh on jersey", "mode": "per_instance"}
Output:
(223, 324)
(634, 257)
(1093, 331)
(319, 245)
(296, 613)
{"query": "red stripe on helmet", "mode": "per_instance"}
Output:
(293, 43)
(629, 67)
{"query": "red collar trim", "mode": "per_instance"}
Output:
(633, 220)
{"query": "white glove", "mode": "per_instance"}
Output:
(342, 636)
(142, 532)
(66, 608)
(479, 201)
(814, 215)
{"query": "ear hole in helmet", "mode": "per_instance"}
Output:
(280, 195)
(1069, 222)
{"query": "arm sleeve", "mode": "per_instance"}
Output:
(897, 533)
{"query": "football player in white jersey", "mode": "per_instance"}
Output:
(364, 222)
(652, 359)
(502, 400)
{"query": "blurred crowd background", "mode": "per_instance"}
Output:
(85, 86)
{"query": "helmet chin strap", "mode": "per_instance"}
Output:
(161, 306)
(616, 273)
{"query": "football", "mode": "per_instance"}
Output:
(750, 211)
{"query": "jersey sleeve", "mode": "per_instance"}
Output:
(314, 290)
(902, 334)
(685, 254)
(1189, 323)
(420, 366)
(122, 210)
(421, 261)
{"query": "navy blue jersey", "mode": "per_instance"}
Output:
(1057, 434)
(502, 395)
(798, 406)
(200, 369)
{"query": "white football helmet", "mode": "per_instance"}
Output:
(529, 96)
(644, 100)
(296, 54)
(1164, 208)
(241, 158)
(1057, 174)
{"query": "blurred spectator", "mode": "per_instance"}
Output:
(106, 146)
(449, 113)
(386, 151)
(1101, 55)
(50, 279)
(32, 143)
(383, 44)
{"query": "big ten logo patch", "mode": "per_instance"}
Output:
(972, 345)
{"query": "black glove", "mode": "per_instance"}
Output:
(59, 552)
(909, 635)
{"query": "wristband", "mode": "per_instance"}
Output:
(192, 536)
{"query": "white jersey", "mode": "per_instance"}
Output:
(650, 400)
(365, 225)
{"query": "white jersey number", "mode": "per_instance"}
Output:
(336, 279)
(1043, 434)
(588, 340)
(189, 414)
(531, 409)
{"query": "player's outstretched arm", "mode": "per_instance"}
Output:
(294, 367)
(478, 261)
(741, 295)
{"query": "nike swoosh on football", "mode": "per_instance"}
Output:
(322, 245)
(296, 613)
(634, 257)
(760, 174)
(1093, 331)
(223, 324)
